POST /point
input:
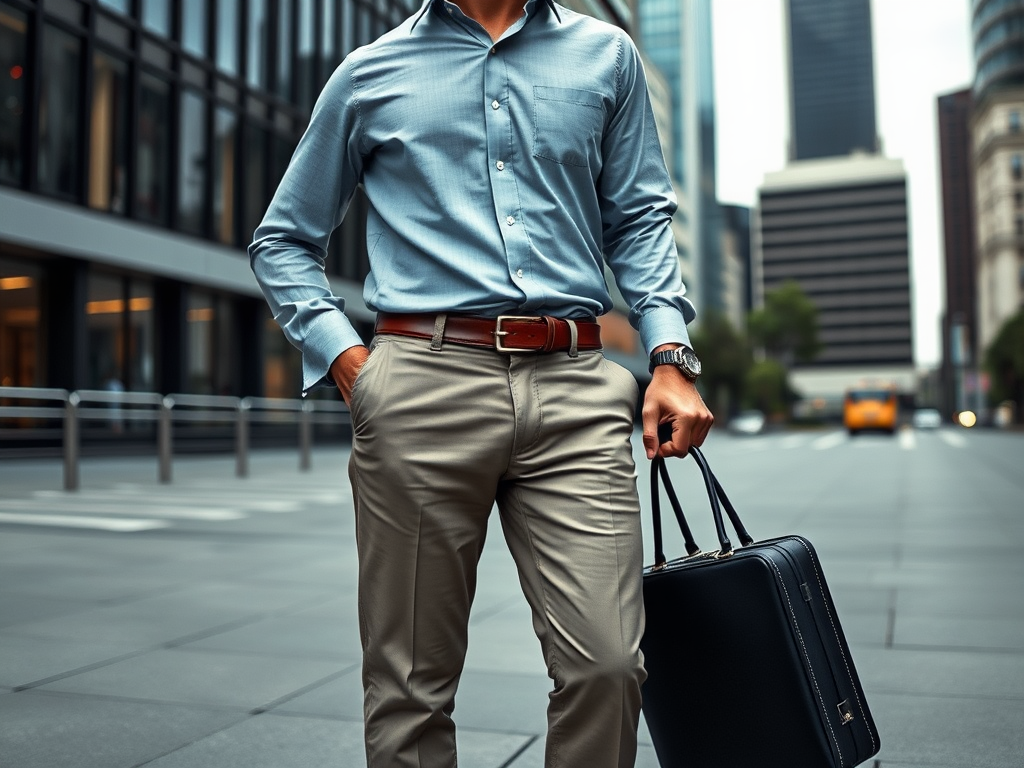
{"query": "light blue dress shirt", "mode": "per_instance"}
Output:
(500, 178)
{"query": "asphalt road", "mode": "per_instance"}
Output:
(211, 622)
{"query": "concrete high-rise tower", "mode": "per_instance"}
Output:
(676, 37)
(831, 76)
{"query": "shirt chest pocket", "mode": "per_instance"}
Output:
(567, 124)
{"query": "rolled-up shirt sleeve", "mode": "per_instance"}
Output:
(290, 245)
(637, 204)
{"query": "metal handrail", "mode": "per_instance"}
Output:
(165, 410)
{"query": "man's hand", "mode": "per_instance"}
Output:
(345, 368)
(673, 399)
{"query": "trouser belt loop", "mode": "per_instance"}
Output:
(574, 337)
(438, 337)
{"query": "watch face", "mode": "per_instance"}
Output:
(691, 362)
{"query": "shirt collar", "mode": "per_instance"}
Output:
(529, 8)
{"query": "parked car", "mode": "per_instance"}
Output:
(926, 418)
(747, 423)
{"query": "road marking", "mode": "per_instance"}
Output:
(76, 506)
(953, 439)
(907, 439)
(118, 525)
(829, 441)
(793, 441)
(170, 501)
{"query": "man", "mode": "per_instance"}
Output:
(506, 153)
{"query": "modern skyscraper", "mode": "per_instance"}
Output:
(997, 28)
(959, 334)
(676, 37)
(997, 138)
(838, 227)
(831, 76)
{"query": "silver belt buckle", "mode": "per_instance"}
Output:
(499, 333)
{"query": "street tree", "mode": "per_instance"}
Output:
(786, 327)
(1004, 360)
(725, 356)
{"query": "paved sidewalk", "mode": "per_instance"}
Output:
(224, 634)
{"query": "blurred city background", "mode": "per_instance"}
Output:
(140, 141)
(177, 560)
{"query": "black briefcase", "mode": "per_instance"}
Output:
(747, 664)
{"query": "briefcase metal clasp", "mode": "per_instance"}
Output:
(845, 712)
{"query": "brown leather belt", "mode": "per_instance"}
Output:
(508, 333)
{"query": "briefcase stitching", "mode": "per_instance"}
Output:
(849, 674)
(807, 658)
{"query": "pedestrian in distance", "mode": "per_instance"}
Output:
(507, 152)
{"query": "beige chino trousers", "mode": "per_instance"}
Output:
(438, 437)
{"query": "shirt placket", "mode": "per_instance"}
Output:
(501, 157)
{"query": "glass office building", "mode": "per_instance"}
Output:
(676, 37)
(140, 142)
(832, 81)
(997, 29)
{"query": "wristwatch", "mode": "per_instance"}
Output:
(683, 358)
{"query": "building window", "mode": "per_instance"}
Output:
(193, 26)
(59, 108)
(1017, 167)
(256, 58)
(120, 6)
(1018, 199)
(152, 158)
(328, 40)
(19, 324)
(283, 84)
(141, 334)
(1018, 223)
(13, 32)
(225, 139)
(156, 16)
(227, 36)
(104, 319)
(200, 317)
(282, 369)
(193, 159)
(108, 148)
(255, 178)
(306, 77)
(1014, 121)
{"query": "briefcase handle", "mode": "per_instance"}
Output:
(717, 497)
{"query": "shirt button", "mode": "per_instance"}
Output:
(519, 273)
(510, 220)
(495, 104)
(500, 165)
(494, 51)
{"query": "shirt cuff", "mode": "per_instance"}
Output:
(329, 336)
(664, 325)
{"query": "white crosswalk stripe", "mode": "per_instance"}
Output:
(116, 524)
(88, 506)
(831, 440)
(177, 500)
(953, 438)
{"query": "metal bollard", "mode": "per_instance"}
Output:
(71, 442)
(164, 439)
(305, 436)
(242, 439)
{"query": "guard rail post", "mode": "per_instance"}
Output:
(305, 436)
(72, 442)
(242, 439)
(164, 439)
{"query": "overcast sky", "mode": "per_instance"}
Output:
(922, 49)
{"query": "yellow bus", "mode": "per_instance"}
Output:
(870, 408)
